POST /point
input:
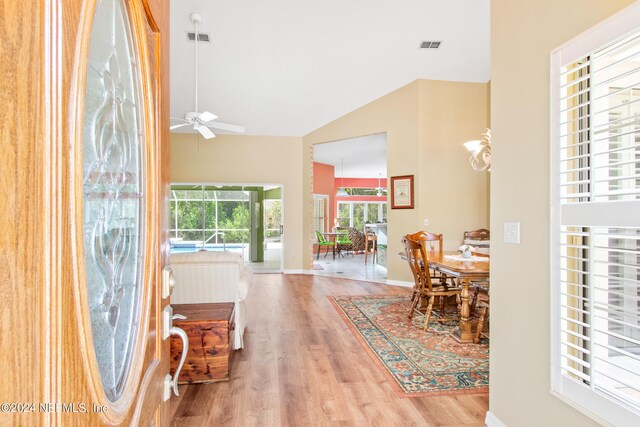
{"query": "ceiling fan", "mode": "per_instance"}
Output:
(379, 188)
(202, 121)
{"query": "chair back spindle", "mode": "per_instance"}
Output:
(425, 236)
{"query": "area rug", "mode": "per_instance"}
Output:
(317, 267)
(415, 364)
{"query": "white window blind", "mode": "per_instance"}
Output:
(595, 211)
(320, 212)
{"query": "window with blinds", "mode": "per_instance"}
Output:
(595, 211)
(320, 212)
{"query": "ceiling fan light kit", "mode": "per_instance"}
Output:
(341, 191)
(202, 121)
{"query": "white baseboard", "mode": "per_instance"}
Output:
(492, 421)
(298, 271)
(400, 283)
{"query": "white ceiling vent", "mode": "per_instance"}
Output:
(202, 37)
(430, 45)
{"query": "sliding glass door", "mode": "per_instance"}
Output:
(234, 218)
(209, 219)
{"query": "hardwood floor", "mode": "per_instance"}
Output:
(301, 365)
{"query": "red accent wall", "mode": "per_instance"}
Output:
(324, 183)
(361, 182)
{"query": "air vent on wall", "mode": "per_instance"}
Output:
(430, 45)
(202, 37)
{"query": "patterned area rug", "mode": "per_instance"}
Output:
(317, 267)
(416, 364)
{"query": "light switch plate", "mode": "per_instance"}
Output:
(512, 232)
(426, 222)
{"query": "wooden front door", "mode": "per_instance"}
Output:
(84, 133)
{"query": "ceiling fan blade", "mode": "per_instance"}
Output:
(205, 117)
(182, 119)
(226, 126)
(204, 131)
(179, 126)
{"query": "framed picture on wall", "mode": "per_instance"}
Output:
(402, 192)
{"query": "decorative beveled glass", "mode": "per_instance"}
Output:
(113, 198)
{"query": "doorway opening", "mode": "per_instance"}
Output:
(241, 218)
(350, 201)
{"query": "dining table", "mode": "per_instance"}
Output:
(466, 271)
(333, 237)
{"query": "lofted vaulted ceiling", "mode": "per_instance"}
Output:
(287, 67)
(361, 157)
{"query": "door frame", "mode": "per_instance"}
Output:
(248, 184)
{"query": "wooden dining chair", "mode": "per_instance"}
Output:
(480, 239)
(424, 285)
(434, 239)
(479, 234)
(370, 246)
(481, 303)
(431, 239)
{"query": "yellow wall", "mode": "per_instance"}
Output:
(232, 159)
(426, 123)
(452, 195)
(523, 33)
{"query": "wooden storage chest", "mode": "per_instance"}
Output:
(210, 331)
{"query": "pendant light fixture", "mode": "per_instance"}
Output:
(379, 192)
(341, 191)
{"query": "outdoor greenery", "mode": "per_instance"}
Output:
(363, 212)
(224, 220)
(226, 216)
(343, 215)
(364, 191)
(272, 218)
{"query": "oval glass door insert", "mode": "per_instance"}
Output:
(113, 199)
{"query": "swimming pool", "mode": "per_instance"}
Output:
(177, 248)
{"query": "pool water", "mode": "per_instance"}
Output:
(178, 248)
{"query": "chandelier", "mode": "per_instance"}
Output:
(480, 152)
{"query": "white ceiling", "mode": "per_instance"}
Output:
(364, 157)
(287, 67)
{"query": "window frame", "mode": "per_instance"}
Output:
(366, 204)
(596, 405)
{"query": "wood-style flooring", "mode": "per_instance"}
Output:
(302, 366)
